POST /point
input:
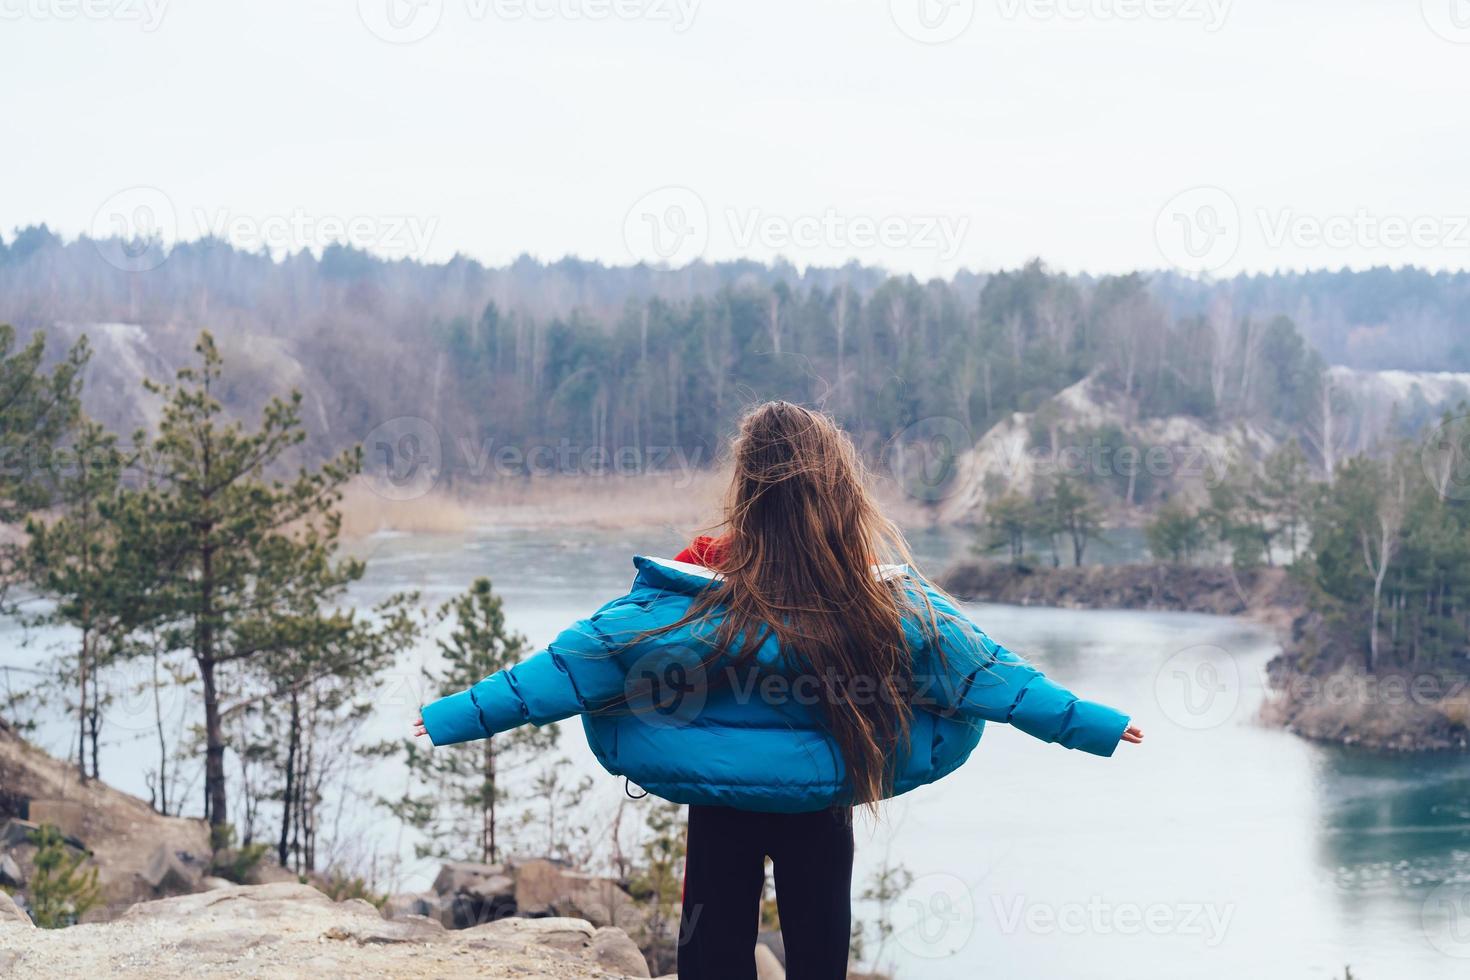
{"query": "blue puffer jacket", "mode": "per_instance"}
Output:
(750, 736)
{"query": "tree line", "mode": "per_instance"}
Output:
(642, 359)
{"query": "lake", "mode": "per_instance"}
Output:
(1219, 848)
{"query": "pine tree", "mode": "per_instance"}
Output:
(74, 561)
(37, 409)
(463, 786)
(222, 548)
(61, 890)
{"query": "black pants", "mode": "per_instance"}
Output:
(725, 869)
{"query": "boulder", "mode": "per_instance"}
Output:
(171, 872)
(544, 888)
(615, 951)
(466, 876)
(11, 913)
(291, 930)
(426, 904)
(121, 832)
(242, 902)
(16, 831)
(473, 893)
(10, 874)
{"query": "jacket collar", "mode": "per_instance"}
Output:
(681, 576)
(677, 576)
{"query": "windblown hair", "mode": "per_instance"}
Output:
(802, 541)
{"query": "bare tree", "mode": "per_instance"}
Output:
(1378, 555)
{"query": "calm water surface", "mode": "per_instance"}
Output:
(1220, 848)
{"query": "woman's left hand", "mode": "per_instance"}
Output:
(1133, 734)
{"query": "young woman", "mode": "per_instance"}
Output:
(773, 678)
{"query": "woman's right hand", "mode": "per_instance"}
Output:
(418, 727)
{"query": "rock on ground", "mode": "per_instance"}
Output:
(12, 914)
(123, 832)
(292, 930)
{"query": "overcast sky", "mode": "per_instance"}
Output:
(1101, 135)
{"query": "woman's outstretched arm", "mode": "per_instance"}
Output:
(577, 672)
(980, 678)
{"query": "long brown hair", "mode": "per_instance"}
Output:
(802, 536)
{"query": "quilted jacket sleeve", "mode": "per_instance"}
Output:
(981, 679)
(576, 673)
